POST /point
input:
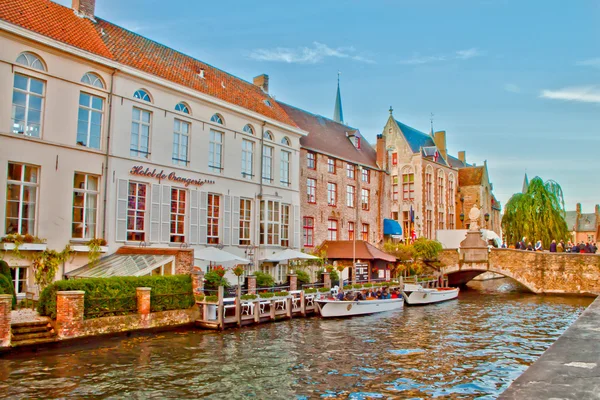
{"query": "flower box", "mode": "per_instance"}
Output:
(24, 246)
(84, 248)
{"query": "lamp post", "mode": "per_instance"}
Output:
(487, 218)
(462, 210)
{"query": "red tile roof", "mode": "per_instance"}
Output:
(343, 250)
(330, 137)
(118, 44)
(470, 176)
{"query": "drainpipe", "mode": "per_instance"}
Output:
(106, 177)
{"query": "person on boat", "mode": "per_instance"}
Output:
(394, 294)
(385, 295)
(360, 296)
(349, 296)
(340, 295)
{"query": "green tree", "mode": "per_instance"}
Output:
(537, 214)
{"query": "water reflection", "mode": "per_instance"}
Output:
(470, 348)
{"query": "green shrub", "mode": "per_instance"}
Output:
(117, 295)
(281, 294)
(4, 268)
(368, 285)
(324, 290)
(213, 280)
(311, 290)
(266, 295)
(356, 286)
(7, 287)
(264, 280)
(211, 299)
(335, 277)
(248, 297)
(303, 278)
(199, 297)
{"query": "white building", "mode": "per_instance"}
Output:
(106, 134)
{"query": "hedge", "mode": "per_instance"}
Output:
(6, 282)
(117, 295)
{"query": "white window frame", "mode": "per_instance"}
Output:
(284, 168)
(311, 190)
(350, 171)
(332, 194)
(22, 184)
(332, 229)
(267, 167)
(270, 213)
(284, 215)
(178, 215)
(87, 194)
(213, 219)
(28, 94)
(247, 159)
(180, 151)
(245, 222)
(138, 212)
(215, 151)
(350, 196)
(89, 110)
(18, 271)
(138, 152)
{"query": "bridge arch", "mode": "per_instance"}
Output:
(460, 275)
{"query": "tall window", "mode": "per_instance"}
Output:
(308, 231)
(89, 120)
(27, 105)
(331, 165)
(429, 224)
(395, 188)
(267, 167)
(440, 220)
(350, 196)
(285, 225)
(178, 215)
(365, 199)
(85, 205)
(451, 198)
(212, 221)
(428, 187)
(408, 186)
(350, 230)
(440, 189)
(406, 224)
(247, 158)
(269, 222)
(366, 175)
(331, 194)
(350, 168)
(451, 219)
(311, 190)
(181, 136)
(21, 198)
(136, 212)
(332, 229)
(140, 133)
(19, 279)
(284, 168)
(311, 160)
(365, 232)
(245, 221)
(215, 151)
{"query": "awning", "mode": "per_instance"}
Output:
(212, 254)
(289, 254)
(122, 265)
(391, 227)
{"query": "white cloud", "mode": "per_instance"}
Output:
(592, 62)
(468, 53)
(584, 94)
(307, 55)
(511, 87)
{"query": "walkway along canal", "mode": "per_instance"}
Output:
(473, 347)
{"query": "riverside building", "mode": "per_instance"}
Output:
(106, 134)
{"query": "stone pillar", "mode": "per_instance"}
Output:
(197, 280)
(143, 300)
(69, 313)
(326, 279)
(5, 308)
(251, 284)
(293, 281)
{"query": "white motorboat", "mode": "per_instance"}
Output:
(415, 294)
(341, 308)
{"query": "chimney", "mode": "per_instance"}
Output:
(84, 8)
(597, 210)
(262, 81)
(578, 208)
(462, 156)
(439, 138)
(381, 154)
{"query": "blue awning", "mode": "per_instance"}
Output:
(391, 227)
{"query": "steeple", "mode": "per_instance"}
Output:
(525, 184)
(338, 114)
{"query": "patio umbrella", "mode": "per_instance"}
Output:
(214, 255)
(289, 254)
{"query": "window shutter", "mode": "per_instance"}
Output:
(122, 191)
(296, 244)
(155, 214)
(165, 215)
(226, 220)
(202, 226)
(235, 222)
(194, 203)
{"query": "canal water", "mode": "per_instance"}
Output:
(473, 347)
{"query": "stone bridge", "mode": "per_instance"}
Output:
(540, 272)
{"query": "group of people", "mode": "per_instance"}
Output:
(557, 247)
(379, 294)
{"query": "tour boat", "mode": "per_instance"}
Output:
(340, 308)
(418, 295)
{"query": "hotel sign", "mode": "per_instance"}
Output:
(139, 170)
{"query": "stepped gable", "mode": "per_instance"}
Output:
(470, 176)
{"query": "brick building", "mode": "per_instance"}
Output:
(584, 227)
(343, 188)
(475, 189)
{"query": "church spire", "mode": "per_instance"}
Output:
(338, 114)
(525, 184)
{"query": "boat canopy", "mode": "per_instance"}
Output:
(391, 227)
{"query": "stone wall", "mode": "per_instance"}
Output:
(540, 272)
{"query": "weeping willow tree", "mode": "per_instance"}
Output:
(537, 214)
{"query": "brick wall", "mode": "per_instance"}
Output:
(5, 308)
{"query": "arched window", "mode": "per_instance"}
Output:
(182, 107)
(285, 141)
(142, 95)
(31, 60)
(92, 79)
(268, 135)
(249, 129)
(217, 119)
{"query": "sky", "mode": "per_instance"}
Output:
(516, 83)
